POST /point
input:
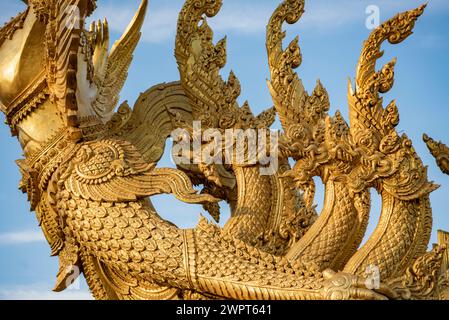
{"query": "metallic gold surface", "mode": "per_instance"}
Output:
(90, 172)
(440, 152)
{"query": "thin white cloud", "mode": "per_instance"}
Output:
(21, 237)
(41, 292)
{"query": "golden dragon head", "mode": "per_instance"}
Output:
(313, 138)
(364, 152)
(439, 151)
(56, 76)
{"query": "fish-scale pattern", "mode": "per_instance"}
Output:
(131, 239)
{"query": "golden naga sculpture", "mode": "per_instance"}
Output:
(89, 172)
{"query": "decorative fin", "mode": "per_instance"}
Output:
(213, 100)
(365, 106)
(153, 119)
(112, 70)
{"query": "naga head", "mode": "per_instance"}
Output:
(54, 73)
(317, 141)
(439, 151)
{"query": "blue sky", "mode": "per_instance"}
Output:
(331, 35)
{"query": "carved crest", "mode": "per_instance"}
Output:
(91, 171)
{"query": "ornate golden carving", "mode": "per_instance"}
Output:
(111, 69)
(443, 242)
(8, 30)
(90, 182)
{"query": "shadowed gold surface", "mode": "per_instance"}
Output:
(90, 172)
